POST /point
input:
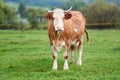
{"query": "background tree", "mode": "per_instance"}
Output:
(2, 15)
(33, 16)
(21, 9)
(7, 13)
(102, 12)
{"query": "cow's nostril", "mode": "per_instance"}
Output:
(58, 28)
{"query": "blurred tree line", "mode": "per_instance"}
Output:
(34, 16)
(6, 13)
(101, 12)
(24, 18)
(31, 18)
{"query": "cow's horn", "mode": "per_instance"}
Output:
(48, 10)
(68, 9)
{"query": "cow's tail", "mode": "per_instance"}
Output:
(87, 36)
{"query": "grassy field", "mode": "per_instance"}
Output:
(26, 55)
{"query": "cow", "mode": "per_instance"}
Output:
(66, 28)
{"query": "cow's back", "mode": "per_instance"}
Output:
(78, 20)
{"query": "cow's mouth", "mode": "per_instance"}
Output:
(58, 32)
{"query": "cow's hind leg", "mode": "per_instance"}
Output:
(55, 65)
(79, 61)
(72, 57)
(72, 53)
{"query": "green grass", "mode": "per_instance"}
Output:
(26, 55)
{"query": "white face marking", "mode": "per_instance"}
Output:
(58, 15)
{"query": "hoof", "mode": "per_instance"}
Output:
(79, 63)
(65, 68)
(54, 68)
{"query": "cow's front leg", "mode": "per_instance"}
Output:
(66, 60)
(55, 65)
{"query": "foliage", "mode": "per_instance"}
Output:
(7, 13)
(22, 8)
(26, 55)
(34, 15)
(2, 17)
(101, 12)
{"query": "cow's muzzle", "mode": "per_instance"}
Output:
(59, 29)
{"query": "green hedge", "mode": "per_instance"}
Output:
(103, 26)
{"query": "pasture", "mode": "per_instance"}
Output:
(26, 55)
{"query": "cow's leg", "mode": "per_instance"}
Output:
(72, 56)
(55, 65)
(66, 59)
(79, 61)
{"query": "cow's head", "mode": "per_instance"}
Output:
(57, 15)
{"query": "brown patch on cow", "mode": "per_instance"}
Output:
(68, 15)
(49, 16)
(54, 57)
(65, 57)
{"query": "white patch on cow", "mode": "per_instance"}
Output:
(75, 30)
(58, 15)
(74, 42)
(63, 43)
(77, 43)
(66, 64)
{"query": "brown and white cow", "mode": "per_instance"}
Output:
(66, 28)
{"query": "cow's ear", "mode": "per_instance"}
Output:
(49, 16)
(68, 15)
